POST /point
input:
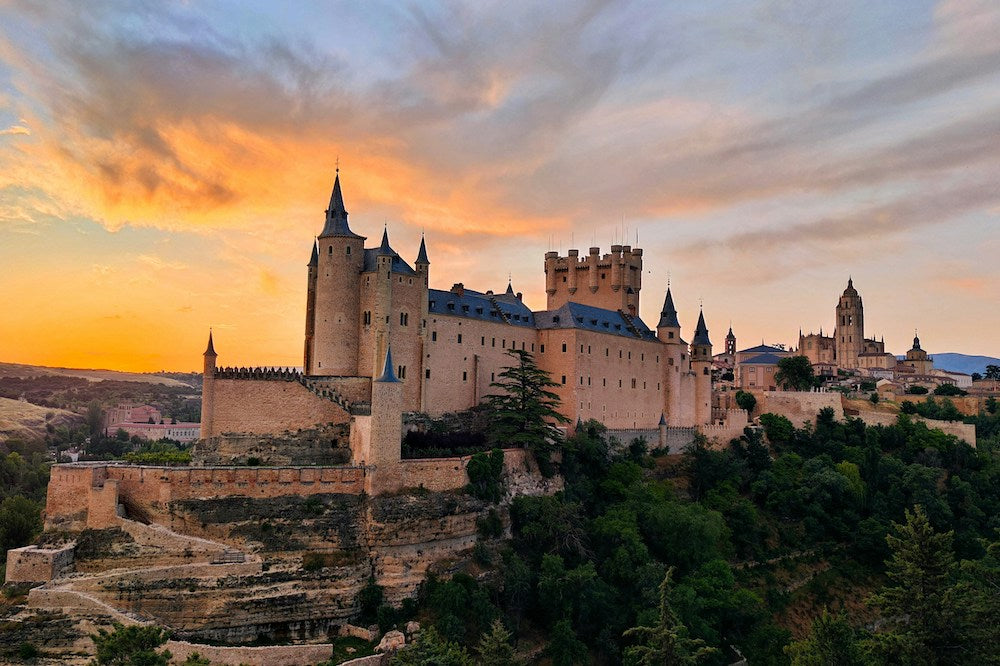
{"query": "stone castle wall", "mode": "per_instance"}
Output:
(799, 407)
(32, 564)
(269, 406)
(964, 431)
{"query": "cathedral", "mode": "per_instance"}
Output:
(371, 317)
(848, 348)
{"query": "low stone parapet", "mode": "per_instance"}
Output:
(32, 564)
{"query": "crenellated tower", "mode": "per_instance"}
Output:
(611, 282)
(849, 335)
(335, 282)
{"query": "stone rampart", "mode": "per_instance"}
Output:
(268, 406)
(799, 407)
(964, 431)
(271, 655)
(32, 564)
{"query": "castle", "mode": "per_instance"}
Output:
(379, 341)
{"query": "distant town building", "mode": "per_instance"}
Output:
(146, 421)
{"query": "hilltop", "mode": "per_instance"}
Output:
(172, 379)
(25, 421)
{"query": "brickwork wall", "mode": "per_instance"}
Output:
(354, 389)
(102, 505)
(461, 372)
(69, 488)
(269, 406)
(600, 281)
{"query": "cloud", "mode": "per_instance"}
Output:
(16, 129)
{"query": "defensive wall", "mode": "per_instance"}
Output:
(964, 431)
(32, 564)
(264, 405)
(799, 407)
(89, 494)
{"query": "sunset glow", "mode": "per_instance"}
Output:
(164, 167)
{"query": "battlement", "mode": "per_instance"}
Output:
(611, 281)
(262, 373)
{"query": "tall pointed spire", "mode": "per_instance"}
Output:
(668, 315)
(388, 373)
(314, 260)
(384, 247)
(336, 214)
(701, 331)
(422, 254)
(210, 350)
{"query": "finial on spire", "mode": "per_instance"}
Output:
(338, 165)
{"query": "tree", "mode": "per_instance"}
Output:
(494, 647)
(95, 419)
(916, 389)
(20, 521)
(831, 641)
(746, 400)
(991, 405)
(919, 604)
(195, 659)
(525, 412)
(133, 645)
(993, 372)
(874, 398)
(431, 650)
(795, 373)
(565, 649)
(485, 472)
(948, 389)
(667, 642)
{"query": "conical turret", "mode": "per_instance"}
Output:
(388, 373)
(422, 253)
(314, 259)
(384, 247)
(210, 350)
(336, 214)
(701, 331)
(668, 315)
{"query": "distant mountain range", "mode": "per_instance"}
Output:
(963, 362)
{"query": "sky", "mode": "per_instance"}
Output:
(164, 166)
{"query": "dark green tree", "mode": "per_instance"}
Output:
(746, 400)
(494, 647)
(133, 645)
(20, 521)
(795, 373)
(667, 642)
(565, 649)
(525, 411)
(832, 641)
(485, 472)
(992, 372)
(431, 650)
(920, 604)
(95, 419)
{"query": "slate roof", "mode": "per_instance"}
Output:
(701, 332)
(372, 254)
(668, 315)
(762, 349)
(763, 359)
(336, 215)
(477, 305)
(586, 317)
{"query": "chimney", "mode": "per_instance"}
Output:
(458, 289)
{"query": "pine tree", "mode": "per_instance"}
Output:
(920, 604)
(525, 410)
(494, 647)
(831, 641)
(430, 649)
(667, 643)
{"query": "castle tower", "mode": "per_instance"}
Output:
(336, 311)
(849, 336)
(423, 266)
(731, 342)
(668, 330)
(611, 282)
(918, 359)
(387, 418)
(208, 389)
(313, 269)
(701, 366)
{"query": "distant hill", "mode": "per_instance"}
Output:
(963, 362)
(22, 420)
(174, 379)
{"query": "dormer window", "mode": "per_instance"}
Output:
(479, 310)
(451, 306)
(465, 308)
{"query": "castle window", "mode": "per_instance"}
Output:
(482, 341)
(564, 346)
(404, 319)
(588, 380)
(431, 304)
(465, 308)
(633, 382)
(644, 386)
(657, 358)
(479, 311)
(630, 356)
(465, 376)
(522, 346)
(348, 250)
(434, 336)
(492, 377)
(581, 349)
(619, 383)
(542, 349)
(619, 353)
(451, 306)
(329, 250)
(588, 349)
(493, 342)
(532, 346)
(564, 379)
(604, 382)
(642, 357)
(581, 380)
(368, 318)
(503, 344)
(459, 338)
(402, 372)
(427, 373)
(657, 386)
(564, 278)
(671, 335)
(602, 276)
(705, 371)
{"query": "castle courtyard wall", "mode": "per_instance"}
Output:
(799, 407)
(269, 407)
